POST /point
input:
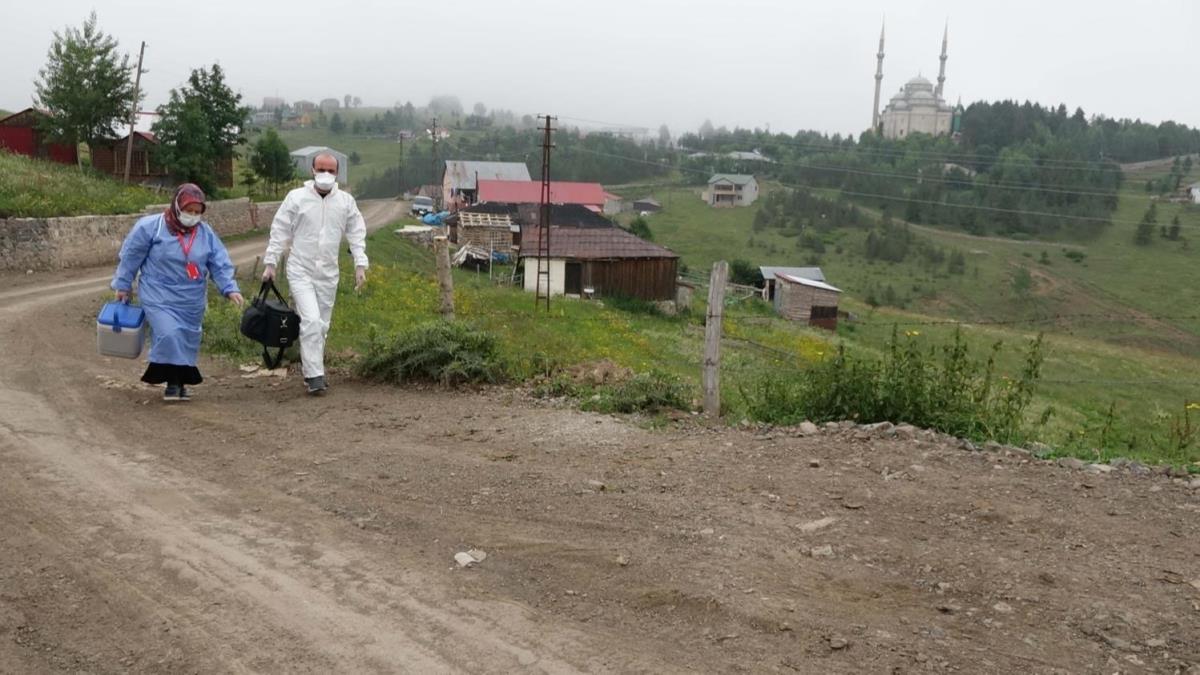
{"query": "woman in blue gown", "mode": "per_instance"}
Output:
(173, 254)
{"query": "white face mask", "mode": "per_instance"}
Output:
(324, 180)
(188, 219)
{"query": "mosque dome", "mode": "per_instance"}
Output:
(918, 83)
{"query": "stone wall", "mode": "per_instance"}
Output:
(91, 241)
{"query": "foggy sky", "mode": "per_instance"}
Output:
(788, 64)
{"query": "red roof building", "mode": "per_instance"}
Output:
(591, 195)
(19, 134)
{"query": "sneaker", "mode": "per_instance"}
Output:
(184, 394)
(316, 385)
(171, 393)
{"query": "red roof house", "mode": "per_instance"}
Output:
(591, 195)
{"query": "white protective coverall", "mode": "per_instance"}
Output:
(313, 226)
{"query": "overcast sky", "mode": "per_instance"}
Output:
(792, 64)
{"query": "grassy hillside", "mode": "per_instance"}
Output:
(1077, 375)
(1135, 345)
(36, 188)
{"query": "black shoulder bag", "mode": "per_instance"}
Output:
(271, 322)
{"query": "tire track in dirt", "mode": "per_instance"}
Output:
(242, 593)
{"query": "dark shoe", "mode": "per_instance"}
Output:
(171, 393)
(184, 394)
(316, 385)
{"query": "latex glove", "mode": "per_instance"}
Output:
(268, 273)
(360, 278)
(236, 298)
(124, 296)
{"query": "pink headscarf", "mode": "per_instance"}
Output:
(188, 193)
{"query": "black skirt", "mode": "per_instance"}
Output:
(157, 373)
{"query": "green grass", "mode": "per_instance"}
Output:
(1089, 366)
(35, 188)
(1120, 354)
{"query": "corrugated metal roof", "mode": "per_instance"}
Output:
(735, 178)
(309, 150)
(593, 243)
(530, 192)
(808, 282)
(814, 273)
(462, 173)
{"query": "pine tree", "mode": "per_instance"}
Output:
(1145, 229)
(1173, 231)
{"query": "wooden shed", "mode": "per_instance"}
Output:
(488, 231)
(602, 262)
(801, 299)
(109, 157)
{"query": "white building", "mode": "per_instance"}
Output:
(729, 189)
(1194, 192)
(303, 159)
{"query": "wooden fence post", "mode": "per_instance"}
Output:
(441, 253)
(712, 338)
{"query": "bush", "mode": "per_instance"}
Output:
(445, 352)
(644, 392)
(946, 391)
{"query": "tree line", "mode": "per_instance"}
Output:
(1034, 170)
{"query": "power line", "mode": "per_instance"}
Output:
(976, 207)
(958, 181)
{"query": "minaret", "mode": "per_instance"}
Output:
(942, 68)
(878, 82)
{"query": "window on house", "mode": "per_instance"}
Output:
(823, 313)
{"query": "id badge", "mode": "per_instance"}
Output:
(193, 271)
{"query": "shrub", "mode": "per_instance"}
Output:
(445, 352)
(939, 389)
(644, 392)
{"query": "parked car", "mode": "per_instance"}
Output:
(421, 206)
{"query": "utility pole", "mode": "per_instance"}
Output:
(137, 83)
(543, 250)
(400, 171)
(437, 197)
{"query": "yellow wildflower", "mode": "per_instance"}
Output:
(1193, 406)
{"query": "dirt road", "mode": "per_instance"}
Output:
(257, 530)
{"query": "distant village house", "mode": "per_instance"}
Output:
(647, 205)
(730, 189)
(589, 195)
(303, 159)
(459, 179)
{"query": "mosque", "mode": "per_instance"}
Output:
(918, 107)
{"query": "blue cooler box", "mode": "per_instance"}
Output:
(121, 330)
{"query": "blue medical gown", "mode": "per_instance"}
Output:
(174, 304)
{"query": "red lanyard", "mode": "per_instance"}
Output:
(187, 248)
